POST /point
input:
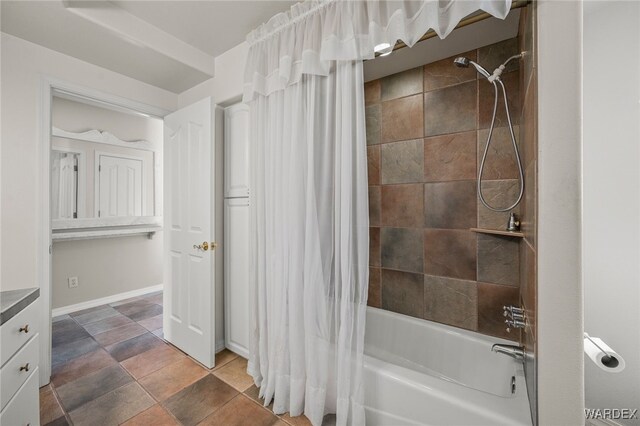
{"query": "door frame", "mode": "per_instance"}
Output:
(48, 86)
(560, 385)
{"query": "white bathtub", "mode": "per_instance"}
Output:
(419, 372)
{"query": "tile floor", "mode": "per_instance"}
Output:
(110, 366)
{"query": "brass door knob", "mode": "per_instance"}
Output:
(214, 245)
(204, 246)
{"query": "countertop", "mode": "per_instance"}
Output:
(14, 301)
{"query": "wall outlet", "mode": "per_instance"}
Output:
(73, 282)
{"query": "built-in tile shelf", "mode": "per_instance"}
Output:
(498, 232)
(88, 234)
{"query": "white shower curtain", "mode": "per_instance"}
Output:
(311, 245)
(309, 202)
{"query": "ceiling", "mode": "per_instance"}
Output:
(211, 26)
(169, 44)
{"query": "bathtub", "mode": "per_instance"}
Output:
(419, 372)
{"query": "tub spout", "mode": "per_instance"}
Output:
(515, 352)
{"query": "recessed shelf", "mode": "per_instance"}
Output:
(498, 232)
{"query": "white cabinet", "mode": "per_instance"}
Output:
(236, 275)
(236, 151)
(18, 369)
(18, 331)
(19, 375)
(24, 408)
(236, 228)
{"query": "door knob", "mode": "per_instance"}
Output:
(204, 246)
(214, 245)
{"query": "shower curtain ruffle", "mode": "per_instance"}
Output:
(314, 33)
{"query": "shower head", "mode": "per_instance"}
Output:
(463, 62)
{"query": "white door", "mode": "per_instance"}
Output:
(236, 275)
(189, 230)
(120, 186)
(236, 151)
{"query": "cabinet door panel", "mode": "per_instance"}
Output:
(236, 270)
(236, 151)
(23, 409)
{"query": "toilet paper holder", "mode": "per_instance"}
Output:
(607, 360)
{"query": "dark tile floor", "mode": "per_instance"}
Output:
(110, 366)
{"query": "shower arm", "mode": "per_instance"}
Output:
(498, 71)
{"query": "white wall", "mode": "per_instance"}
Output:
(23, 66)
(611, 185)
(226, 87)
(560, 325)
(106, 266)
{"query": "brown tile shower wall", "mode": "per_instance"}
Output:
(426, 131)
(529, 137)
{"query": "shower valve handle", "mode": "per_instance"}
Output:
(514, 323)
(512, 310)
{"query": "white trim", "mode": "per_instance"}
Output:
(560, 356)
(74, 92)
(238, 350)
(98, 136)
(92, 234)
(48, 85)
(43, 238)
(105, 300)
(220, 346)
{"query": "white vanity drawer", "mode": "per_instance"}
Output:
(10, 335)
(15, 372)
(24, 408)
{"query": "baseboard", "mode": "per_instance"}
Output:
(239, 350)
(105, 300)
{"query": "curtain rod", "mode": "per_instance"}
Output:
(467, 21)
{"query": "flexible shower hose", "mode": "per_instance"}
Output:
(486, 148)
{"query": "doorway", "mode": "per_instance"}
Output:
(141, 308)
(106, 230)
